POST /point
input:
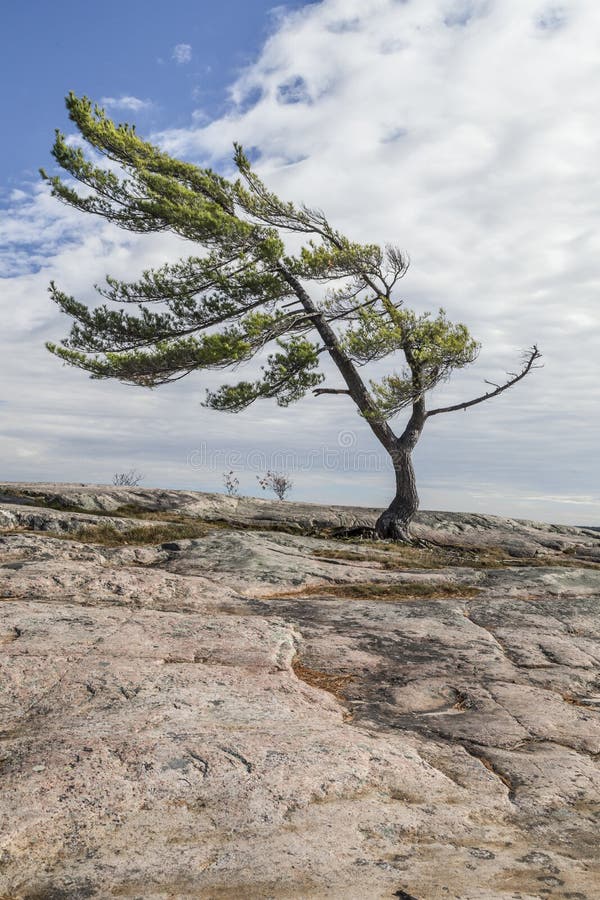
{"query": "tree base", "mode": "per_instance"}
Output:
(394, 523)
(392, 527)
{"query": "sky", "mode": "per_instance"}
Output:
(465, 131)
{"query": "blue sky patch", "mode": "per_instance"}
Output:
(170, 57)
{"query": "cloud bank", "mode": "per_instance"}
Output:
(466, 132)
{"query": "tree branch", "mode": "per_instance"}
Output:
(533, 355)
(318, 391)
(356, 387)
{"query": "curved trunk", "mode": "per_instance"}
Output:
(394, 523)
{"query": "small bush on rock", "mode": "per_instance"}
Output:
(277, 482)
(232, 483)
(127, 479)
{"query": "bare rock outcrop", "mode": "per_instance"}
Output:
(259, 714)
(461, 529)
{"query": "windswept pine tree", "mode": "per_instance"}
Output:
(242, 293)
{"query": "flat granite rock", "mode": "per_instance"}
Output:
(249, 715)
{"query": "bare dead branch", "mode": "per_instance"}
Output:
(291, 303)
(318, 391)
(531, 357)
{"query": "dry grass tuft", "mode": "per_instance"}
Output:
(396, 557)
(385, 591)
(327, 681)
(108, 536)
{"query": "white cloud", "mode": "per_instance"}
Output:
(182, 53)
(126, 102)
(464, 131)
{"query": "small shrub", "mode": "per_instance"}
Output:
(232, 483)
(278, 482)
(127, 479)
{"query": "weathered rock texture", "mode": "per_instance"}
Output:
(245, 714)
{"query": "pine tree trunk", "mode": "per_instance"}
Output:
(394, 523)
